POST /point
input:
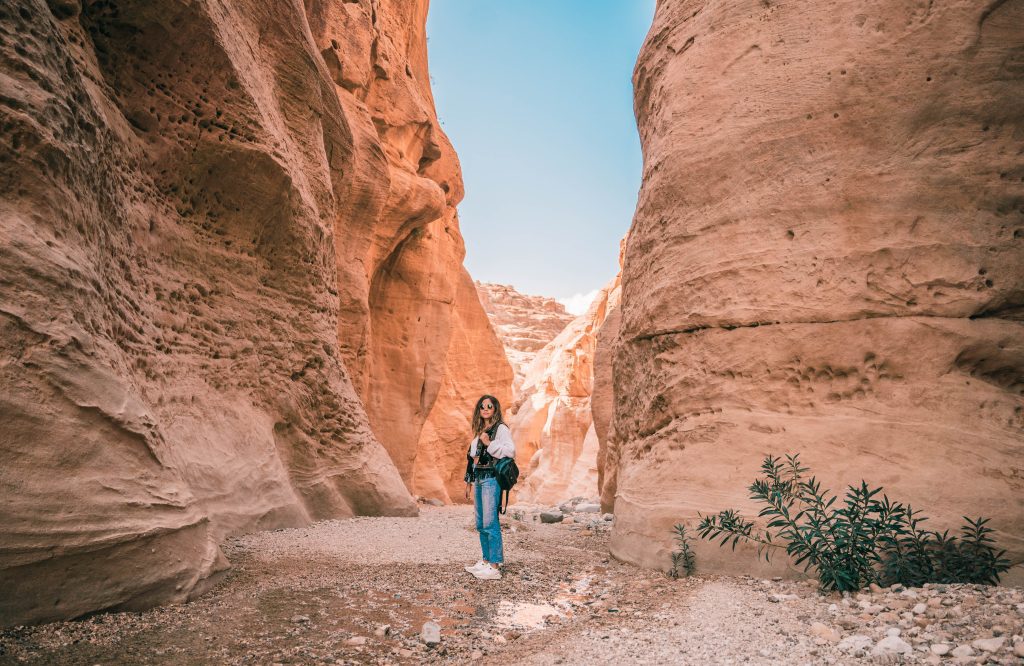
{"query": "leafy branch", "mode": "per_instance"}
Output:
(866, 539)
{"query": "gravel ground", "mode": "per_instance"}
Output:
(359, 591)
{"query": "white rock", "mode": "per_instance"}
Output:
(892, 631)
(940, 649)
(854, 643)
(589, 508)
(920, 609)
(892, 646)
(988, 644)
(963, 651)
(778, 598)
(431, 633)
(1018, 649)
(356, 640)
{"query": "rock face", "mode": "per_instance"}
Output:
(230, 257)
(826, 258)
(523, 323)
(556, 443)
(475, 365)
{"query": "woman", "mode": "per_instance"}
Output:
(493, 440)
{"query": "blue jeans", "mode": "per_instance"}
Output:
(487, 498)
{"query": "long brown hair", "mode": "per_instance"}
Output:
(478, 420)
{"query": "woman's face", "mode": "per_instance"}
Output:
(487, 409)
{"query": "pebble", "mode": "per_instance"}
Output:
(940, 649)
(988, 644)
(826, 632)
(963, 651)
(891, 646)
(551, 517)
(431, 633)
(848, 622)
(589, 508)
(855, 642)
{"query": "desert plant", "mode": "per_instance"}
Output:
(864, 540)
(913, 556)
(683, 557)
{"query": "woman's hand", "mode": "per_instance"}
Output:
(467, 490)
(485, 438)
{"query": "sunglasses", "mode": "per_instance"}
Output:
(486, 407)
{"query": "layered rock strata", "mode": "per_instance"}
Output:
(523, 323)
(230, 258)
(826, 258)
(557, 445)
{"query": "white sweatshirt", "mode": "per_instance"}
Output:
(501, 446)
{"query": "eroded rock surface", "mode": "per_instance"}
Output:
(523, 323)
(475, 366)
(826, 259)
(230, 258)
(557, 445)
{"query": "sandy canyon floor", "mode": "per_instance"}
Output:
(359, 591)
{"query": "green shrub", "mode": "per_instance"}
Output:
(862, 541)
(682, 558)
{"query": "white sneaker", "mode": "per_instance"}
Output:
(473, 567)
(487, 572)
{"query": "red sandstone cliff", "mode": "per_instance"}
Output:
(826, 258)
(524, 323)
(232, 271)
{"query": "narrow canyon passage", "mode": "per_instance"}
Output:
(240, 343)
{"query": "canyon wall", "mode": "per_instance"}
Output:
(556, 442)
(826, 258)
(475, 366)
(524, 323)
(231, 272)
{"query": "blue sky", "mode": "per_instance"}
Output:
(537, 98)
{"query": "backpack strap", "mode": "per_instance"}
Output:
(504, 505)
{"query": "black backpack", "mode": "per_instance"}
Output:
(507, 473)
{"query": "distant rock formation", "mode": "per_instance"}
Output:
(231, 272)
(826, 258)
(523, 323)
(557, 445)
